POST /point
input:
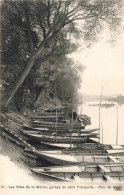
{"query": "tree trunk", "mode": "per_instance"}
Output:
(37, 99)
(31, 62)
(22, 78)
(44, 90)
(41, 51)
(38, 96)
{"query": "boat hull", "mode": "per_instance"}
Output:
(58, 158)
(91, 173)
(59, 139)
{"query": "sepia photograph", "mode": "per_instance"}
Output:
(61, 97)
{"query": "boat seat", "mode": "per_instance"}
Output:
(115, 159)
(116, 147)
(115, 151)
(109, 179)
(103, 168)
(100, 157)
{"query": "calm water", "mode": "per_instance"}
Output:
(108, 120)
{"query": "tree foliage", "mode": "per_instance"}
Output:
(36, 34)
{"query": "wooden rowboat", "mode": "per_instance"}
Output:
(30, 128)
(86, 146)
(60, 123)
(84, 173)
(58, 145)
(58, 133)
(60, 130)
(45, 114)
(58, 109)
(59, 158)
(59, 139)
(60, 126)
(97, 151)
(47, 117)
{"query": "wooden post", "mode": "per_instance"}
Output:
(71, 128)
(102, 133)
(66, 112)
(82, 106)
(56, 114)
(72, 114)
(7, 137)
(0, 131)
(56, 124)
(100, 113)
(117, 129)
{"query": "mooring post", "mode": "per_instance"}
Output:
(100, 114)
(117, 128)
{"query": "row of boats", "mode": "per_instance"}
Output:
(72, 152)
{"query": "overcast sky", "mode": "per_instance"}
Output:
(105, 67)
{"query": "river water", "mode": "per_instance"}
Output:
(108, 120)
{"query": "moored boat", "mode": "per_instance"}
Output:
(59, 139)
(54, 109)
(84, 145)
(84, 173)
(60, 133)
(58, 145)
(26, 127)
(59, 158)
(59, 129)
(69, 131)
(33, 117)
(59, 126)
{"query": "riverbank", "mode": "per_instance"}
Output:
(13, 155)
(15, 166)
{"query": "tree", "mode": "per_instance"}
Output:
(49, 19)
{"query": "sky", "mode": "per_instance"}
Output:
(104, 67)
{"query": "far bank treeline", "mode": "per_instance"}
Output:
(37, 37)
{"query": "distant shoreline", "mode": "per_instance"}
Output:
(119, 99)
(107, 105)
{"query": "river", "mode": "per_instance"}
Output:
(108, 118)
